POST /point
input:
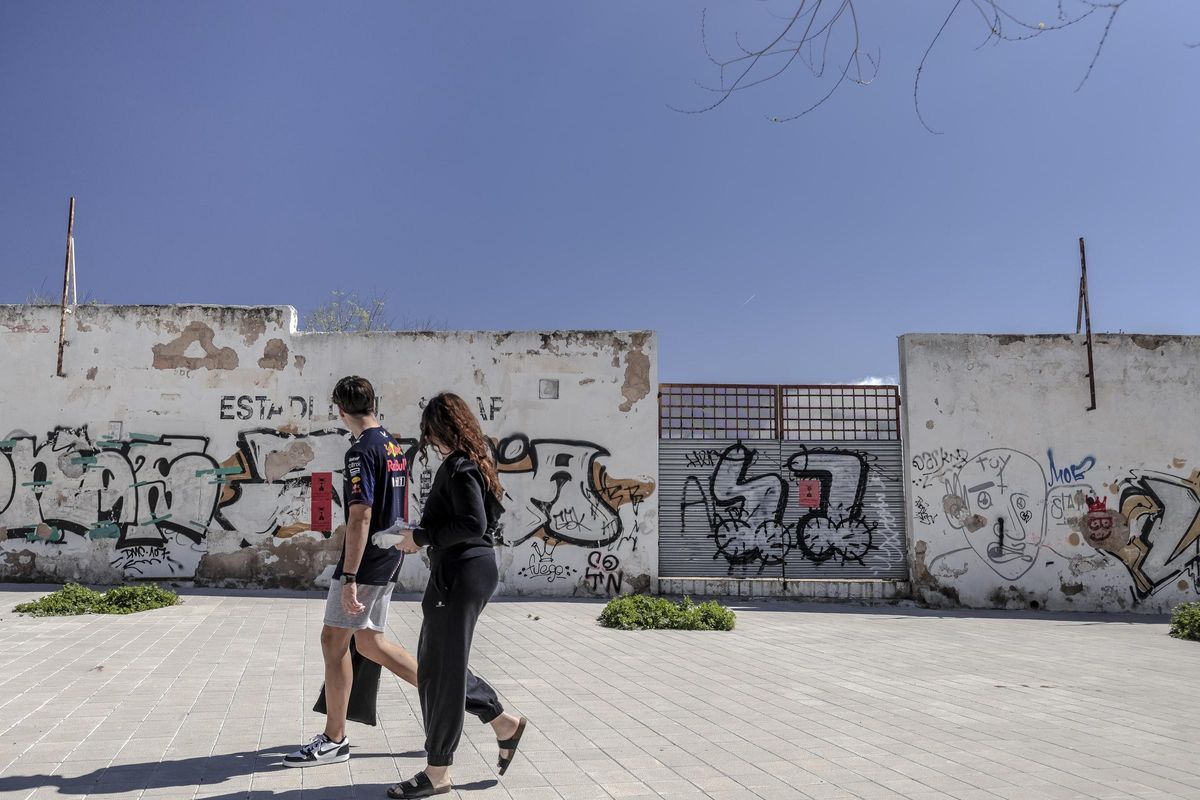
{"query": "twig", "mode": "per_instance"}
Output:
(808, 35)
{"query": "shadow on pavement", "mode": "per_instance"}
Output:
(476, 786)
(909, 609)
(36, 588)
(185, 772)
(899, 609)
(360, 790)
(317, 593)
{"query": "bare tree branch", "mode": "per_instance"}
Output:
(814, 28)
(1114, 8)
(921, 67)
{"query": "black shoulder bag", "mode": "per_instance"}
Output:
(364, 690)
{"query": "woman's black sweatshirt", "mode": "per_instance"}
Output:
(460, 514)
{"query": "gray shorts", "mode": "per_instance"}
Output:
(374, 616)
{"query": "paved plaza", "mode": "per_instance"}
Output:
(801, 701)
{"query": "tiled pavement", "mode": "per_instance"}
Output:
(801, 701)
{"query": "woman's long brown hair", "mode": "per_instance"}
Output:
(449, 420)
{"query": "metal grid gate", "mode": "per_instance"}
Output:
(780, 481)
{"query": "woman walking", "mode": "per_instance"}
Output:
(458, 527)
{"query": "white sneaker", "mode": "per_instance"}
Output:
(321, 750)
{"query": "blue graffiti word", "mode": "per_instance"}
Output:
(1071, 474)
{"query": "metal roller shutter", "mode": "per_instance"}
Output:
(772, 508)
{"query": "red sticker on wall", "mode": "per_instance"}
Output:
(322, 501)
(322, 516)
(810, 492)
(322, 484)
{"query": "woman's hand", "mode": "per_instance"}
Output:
(406, 544)
(393, 536)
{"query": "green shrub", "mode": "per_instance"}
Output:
(1185, 621)
(67, 601)
(143, 597)
(74, 599)
(640, 612)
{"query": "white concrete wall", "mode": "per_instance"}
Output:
(182, 441)
(1100, 509)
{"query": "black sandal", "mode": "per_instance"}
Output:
(511, 745)
(418, 785)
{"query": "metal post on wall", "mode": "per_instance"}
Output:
(1084, 316)
(67, 280)
(779, 412)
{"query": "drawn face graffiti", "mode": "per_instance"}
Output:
(998, 499)
(1099, 527)
(1102, 527)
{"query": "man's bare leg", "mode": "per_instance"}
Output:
(339, 674)
(373, 645)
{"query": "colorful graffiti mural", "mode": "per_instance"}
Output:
(159, 497)
(155, 496)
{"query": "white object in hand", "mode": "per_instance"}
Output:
(393, 536)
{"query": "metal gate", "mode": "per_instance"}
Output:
(780, 481)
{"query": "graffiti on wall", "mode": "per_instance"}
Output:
(998, 500)
(604, 573)
(542, 563)
(1155, 532)
(155, 496)
(569, 495)
(575, 519)
(268, 480)
(1015, 512)
(931, 465)
(825, 504)
(159, 497)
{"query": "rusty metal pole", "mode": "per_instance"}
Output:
(1086, 311)
(62, 324)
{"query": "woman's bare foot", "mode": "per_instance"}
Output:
(505, 727)
(438, 776)
(416, 786)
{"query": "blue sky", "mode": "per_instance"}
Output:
(516, 165)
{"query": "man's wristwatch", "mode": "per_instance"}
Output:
(349, 577)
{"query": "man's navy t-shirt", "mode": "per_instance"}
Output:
(376, 475)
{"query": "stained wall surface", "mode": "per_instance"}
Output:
(198, 443)
(1019, 496)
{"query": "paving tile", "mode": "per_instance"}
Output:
(800, 701)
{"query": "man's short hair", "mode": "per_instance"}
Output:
(354, 396)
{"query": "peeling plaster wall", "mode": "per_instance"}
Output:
(1019, 497)
(183, 441)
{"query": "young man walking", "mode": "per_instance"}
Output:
(375, 496)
